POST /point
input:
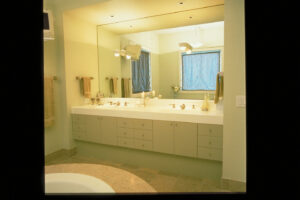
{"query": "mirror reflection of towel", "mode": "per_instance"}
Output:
(125, 87)
(219, 87)
(85, 86)
(114, 85)
(48, 102)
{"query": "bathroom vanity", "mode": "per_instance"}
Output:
(189, 133)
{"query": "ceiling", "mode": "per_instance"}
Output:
(129, 16)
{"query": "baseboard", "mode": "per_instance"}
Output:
(234, 186)
(60, 154)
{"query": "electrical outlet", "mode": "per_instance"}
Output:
(240, 101)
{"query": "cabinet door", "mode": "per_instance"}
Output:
(108, 128)
(93, 128)
(185, 139)
(163, 138)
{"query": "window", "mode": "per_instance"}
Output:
(141, 80)
(199, 70)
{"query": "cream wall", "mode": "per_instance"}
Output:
(81, 59)
(234, 135)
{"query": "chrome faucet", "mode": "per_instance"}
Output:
(173, 105)
(182, 106)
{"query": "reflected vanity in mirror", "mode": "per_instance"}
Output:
(177, 60)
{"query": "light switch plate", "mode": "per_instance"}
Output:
(240, 101)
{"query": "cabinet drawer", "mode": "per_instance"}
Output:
(142, 144)
(125, 142)
(210, 130)
(206, 141)
(142, 124)
(125, 123)
(142, 134)
(125, 132)
(208, 153)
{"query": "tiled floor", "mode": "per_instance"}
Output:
(160, 181)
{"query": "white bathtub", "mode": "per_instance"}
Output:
(75, 183)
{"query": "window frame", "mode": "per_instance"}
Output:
(221, 67)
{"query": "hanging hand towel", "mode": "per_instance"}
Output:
(114, 85)
(85, 86)
(219, 87)
(48, 102)
(125, 87)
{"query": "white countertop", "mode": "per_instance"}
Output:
(152, 113)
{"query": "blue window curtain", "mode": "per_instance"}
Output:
(141, 73)
(199, 70)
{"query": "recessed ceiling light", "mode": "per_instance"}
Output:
(190, 17)
(112, 16)
(181, 3)
(130, 26)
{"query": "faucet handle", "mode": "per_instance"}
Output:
(194, 106)
(173, 105)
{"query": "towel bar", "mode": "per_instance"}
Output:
(78, 77)
(107, 78)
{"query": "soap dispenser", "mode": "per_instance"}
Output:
(205, 104)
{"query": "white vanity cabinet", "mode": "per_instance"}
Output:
(210, 141)
(178, 138)
(188, 139)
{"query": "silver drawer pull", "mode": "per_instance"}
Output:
(125, 133)
(142, 145)
(209, 142)
(142, 124)
(210, 130)
(142, 135)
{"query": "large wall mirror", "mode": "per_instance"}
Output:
(176, 56)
